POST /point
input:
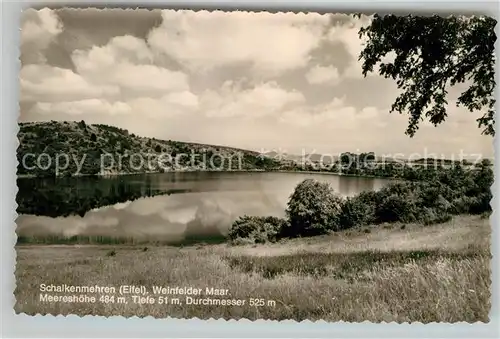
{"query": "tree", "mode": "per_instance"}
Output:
(433, 54)
(313, 209)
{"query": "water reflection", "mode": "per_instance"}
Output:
(171, 207)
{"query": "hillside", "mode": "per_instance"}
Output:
(77, 148)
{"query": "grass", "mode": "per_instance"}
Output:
(425, 274)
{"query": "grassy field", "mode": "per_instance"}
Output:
(403, 273)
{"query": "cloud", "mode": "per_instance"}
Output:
(121, 69)
(127, 62)
(38, 30)
(52, 84)
(82, 107)
(323, 75)
(271, 43)
(307, 116)
(168, 105)
(261, 100)
(233, 78)
(334, 115)
(348, 35)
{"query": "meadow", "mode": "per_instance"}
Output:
(388, 272)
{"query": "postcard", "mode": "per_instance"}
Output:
(255, 165)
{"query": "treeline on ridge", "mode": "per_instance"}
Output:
(79, 140)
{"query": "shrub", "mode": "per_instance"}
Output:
(442, 204)
(461, 205)
(313, 209)
(430, 216)
(355, 212)
(480, 203)
(473, 205)
(396, 208)
(398, 188)
(359, 210)
(427, 196)
(257, 229)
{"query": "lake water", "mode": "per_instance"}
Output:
(163, 207)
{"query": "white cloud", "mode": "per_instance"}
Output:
(147, 79)
(307, 116)
(334, 115)
(120, 68)
(184, 99)
(126, 62)
(167, 106)
(52, 84)
(82, 107)
(323, 75)
(260, 100)
(272, 43)
(120, 49)
(348, 36)
(38, 30)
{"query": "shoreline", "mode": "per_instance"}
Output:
(119, 174)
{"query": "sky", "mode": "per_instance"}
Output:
(280, 82)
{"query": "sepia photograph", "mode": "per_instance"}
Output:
(255, 165)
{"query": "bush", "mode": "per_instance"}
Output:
(473, 205)
(433, 216)
(396, 208)
(481, 203)
(256, 229)
(359, 210)
(313, 209)
(442, 204)
(461, 205)
(356, 212)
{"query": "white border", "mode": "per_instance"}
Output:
(99, 327)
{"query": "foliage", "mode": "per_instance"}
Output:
(396, 207)
(430, 216)
(359, 210)
(119, 151)
(432, 54)
(313, 209)
(256, 229)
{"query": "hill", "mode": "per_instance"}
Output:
(64, 148)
